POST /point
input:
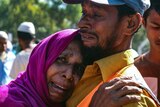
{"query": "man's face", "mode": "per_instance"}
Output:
(153, 30)
(100, 27)
(3, 44)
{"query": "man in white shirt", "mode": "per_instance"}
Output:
(26, 36)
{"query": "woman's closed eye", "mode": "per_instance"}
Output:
(61, 60)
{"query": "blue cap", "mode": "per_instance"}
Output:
(138, 5)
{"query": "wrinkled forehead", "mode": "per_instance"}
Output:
(73, 47)
(73, 51)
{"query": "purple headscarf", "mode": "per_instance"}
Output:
(30, 89)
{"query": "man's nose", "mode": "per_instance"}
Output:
(85, 22)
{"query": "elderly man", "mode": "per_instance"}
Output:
(107, 28)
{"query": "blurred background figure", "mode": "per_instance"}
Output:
(9, 45)
(26, 37)
(6, 58)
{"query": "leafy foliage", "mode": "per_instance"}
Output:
(139, 38)
(48, 17)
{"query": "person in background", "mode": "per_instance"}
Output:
(6, 59)
(107, 28)
(26, 36)
(55, 66)
(149, 63)
(9, 45)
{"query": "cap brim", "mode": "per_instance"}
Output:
(107, 2)
(73, 1)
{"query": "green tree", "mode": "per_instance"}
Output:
(67, 16)
(139, 40)
(48, 17)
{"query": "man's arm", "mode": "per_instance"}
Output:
(116, 93)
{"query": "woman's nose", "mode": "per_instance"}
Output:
(68, 73)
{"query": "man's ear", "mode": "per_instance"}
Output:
(134, 22)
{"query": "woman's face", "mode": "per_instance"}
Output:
(64, 73)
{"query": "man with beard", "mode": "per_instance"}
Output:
(107, 28)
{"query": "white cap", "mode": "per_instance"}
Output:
(3, 35)
(27, 27)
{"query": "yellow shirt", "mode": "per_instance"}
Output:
(100, 71)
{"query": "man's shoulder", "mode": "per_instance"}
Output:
(148, 95)
(23, 53)
(11, 55)
(22, 58)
